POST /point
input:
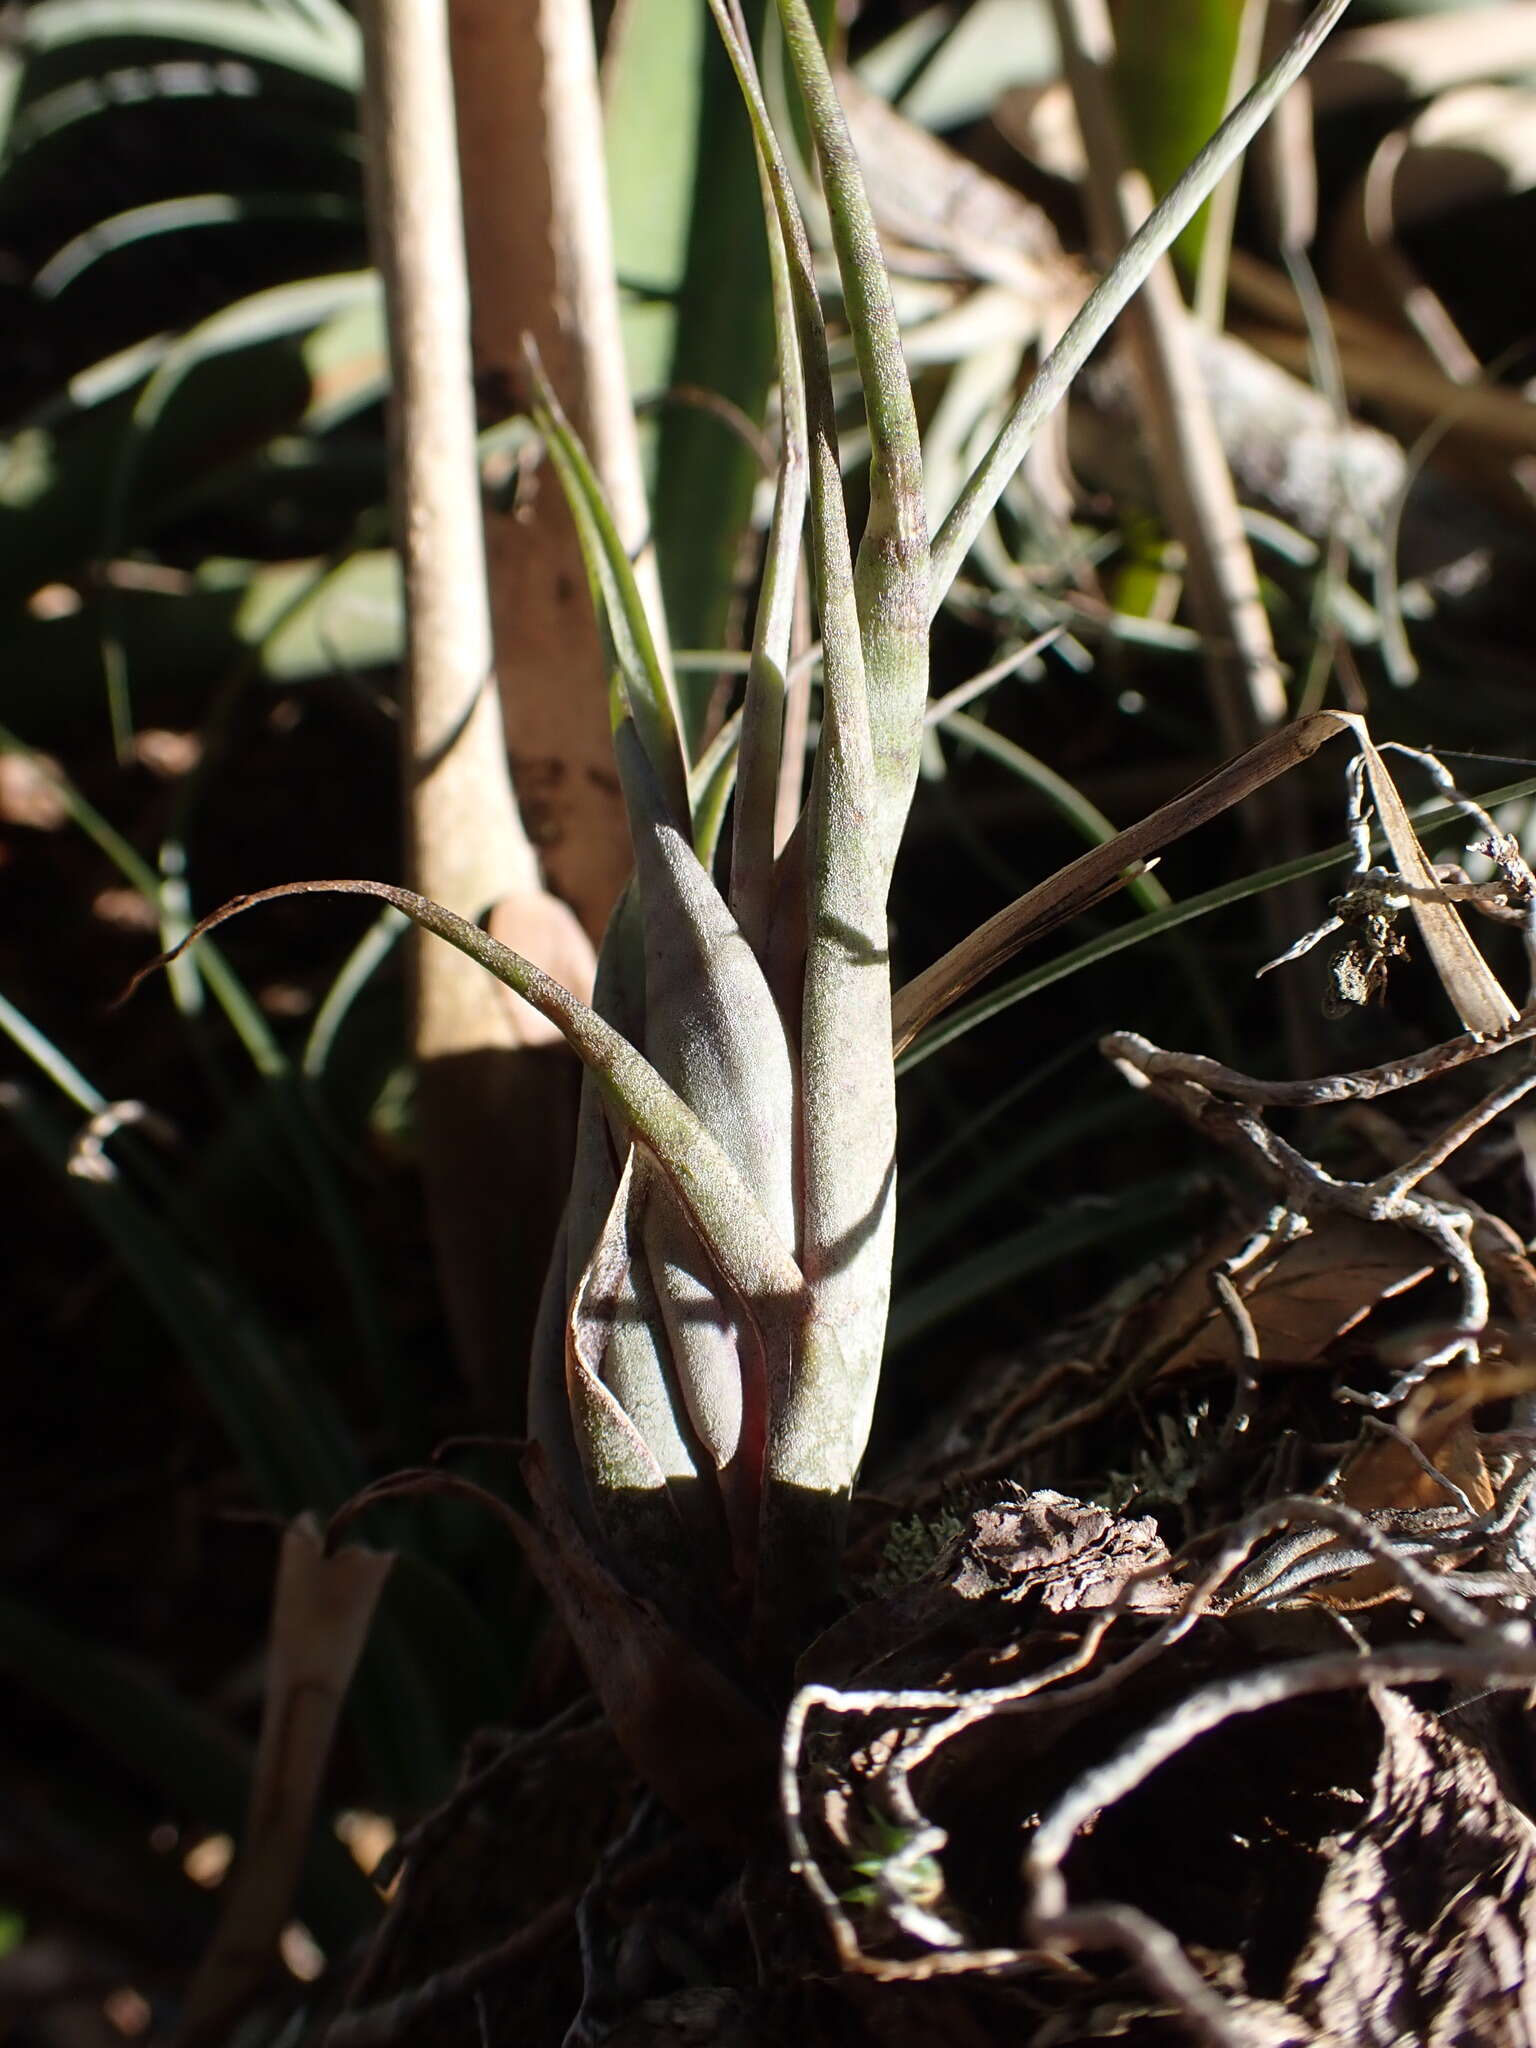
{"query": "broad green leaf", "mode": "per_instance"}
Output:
(698, 326)
(721, 354)
(946, 68)
(1173, 67)
(68, 39)
(278, 311)
(653, 71)
(150, 419)
(294, 622)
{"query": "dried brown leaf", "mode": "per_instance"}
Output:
(1467, 148)
(691, 1732)
(1070, 1555)
(1300, 1300)
(321, 1613)
(1482, 1005)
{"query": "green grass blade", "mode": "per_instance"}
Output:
(248, 1023)
(1039, 1246)
(1084, 817)
(711, 781)
(175, 216)
(1173, 65)
(66, 39)
(285, 1091)
(973, 1134)
(357, 970)
(1003, 1169)
(47, 1058)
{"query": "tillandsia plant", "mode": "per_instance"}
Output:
(709, 1346)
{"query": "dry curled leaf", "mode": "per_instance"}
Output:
(1425, 54)
(1481, 1003)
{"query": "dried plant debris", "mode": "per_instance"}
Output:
(1367, 913)
(1064, 1553)
(1425, 1924)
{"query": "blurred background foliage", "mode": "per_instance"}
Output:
(221, 1306)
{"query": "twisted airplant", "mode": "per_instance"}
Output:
(709, 1345)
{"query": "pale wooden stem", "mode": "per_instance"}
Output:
(541, 264)
(466, 846)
